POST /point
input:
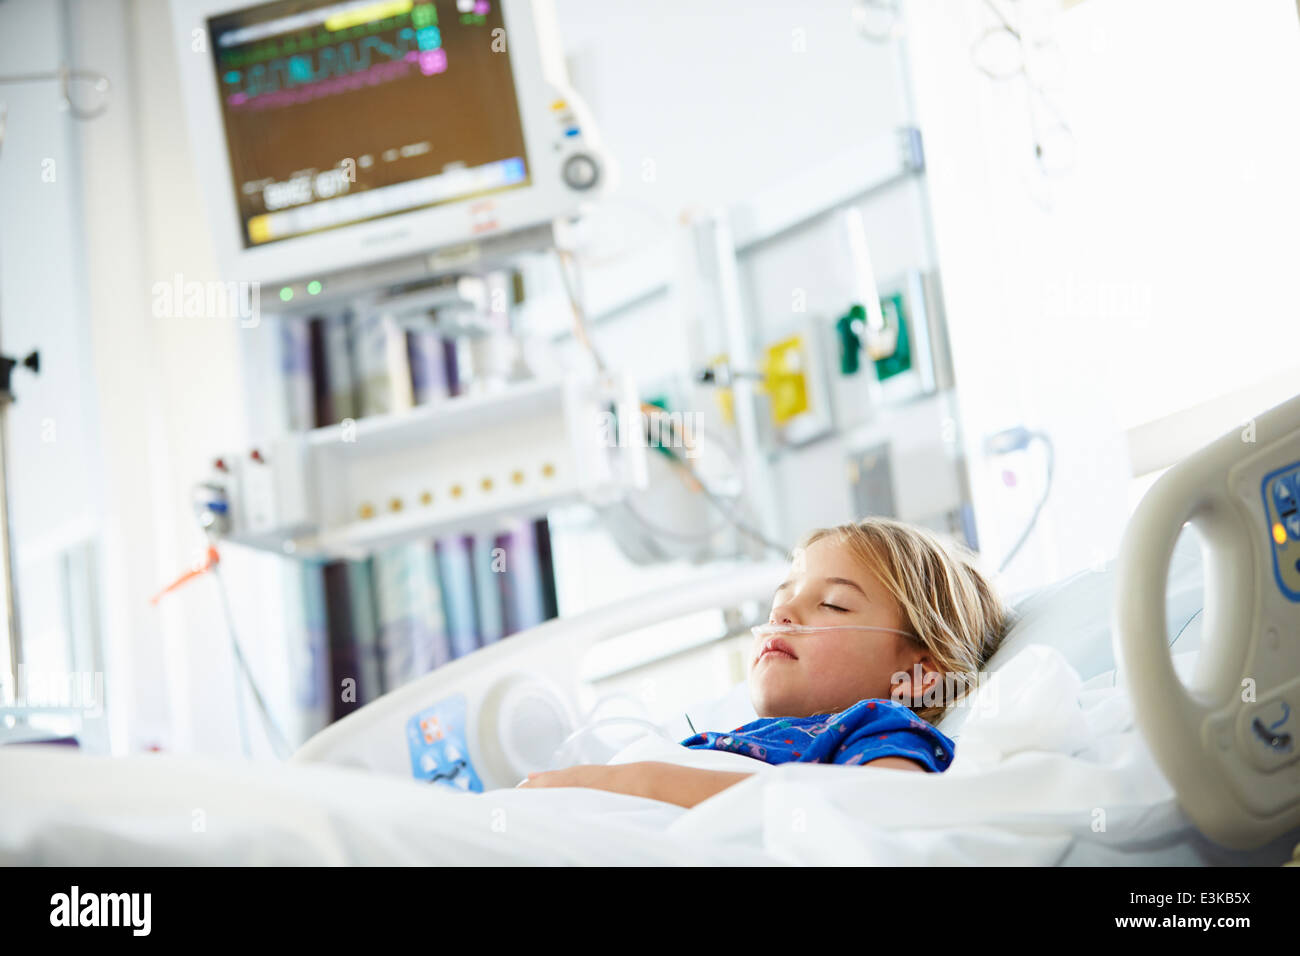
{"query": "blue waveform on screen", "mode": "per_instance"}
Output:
(328, 63)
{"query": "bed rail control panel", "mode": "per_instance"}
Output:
(440, 753)
(1229, 741)
(1281, 493)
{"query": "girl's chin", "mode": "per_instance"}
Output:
(771, 696)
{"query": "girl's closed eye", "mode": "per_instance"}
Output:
(834, 608)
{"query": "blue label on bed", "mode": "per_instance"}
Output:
(1281, 492)
(436, 736)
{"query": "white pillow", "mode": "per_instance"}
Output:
(1075, 615)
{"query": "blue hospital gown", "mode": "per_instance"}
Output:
(867, 730)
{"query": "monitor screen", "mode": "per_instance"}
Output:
(342, 112)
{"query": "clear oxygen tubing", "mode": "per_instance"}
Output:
(279, 744)
(589, 724)
(773, 630)
(557, 764)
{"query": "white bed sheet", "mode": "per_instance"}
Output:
(58, 808)
(1047, 771)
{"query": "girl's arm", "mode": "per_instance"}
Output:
(687, 786)
(652, 779)
(667, 782)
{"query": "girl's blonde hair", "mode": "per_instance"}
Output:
(949, 605)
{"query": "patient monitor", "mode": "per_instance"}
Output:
(334, 134)
(1229, 744)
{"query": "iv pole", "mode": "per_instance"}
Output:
(65, 77)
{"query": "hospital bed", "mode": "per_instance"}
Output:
(1062, 755)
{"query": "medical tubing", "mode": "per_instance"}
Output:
(612, 695)
(244, 745)
(728, 515)
(277, 739)
(604, 722)
(1047, 490)
(770, 630)
(581, 333)
(717, 502)
(662, 532)
(1114, 674)
(759, 630)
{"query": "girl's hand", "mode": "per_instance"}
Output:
(629, 778)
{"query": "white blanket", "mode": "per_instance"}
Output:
(58, 808)
(1046, 772)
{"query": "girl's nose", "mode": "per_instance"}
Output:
(780, 615)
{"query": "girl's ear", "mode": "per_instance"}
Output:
(928, 665)
(930, 675)
(920, 677)
(908, 682)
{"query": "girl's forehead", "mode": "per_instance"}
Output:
(822, 554)
(827, 559)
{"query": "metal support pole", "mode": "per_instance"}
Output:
(7, 580)
(717, 235)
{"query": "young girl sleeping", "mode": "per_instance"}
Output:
(877, 630)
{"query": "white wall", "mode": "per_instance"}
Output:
(167, 397)
(79, 473)
(204, 412)
(711, 102)
(707, 105)
(40, 299)
(1159, 273)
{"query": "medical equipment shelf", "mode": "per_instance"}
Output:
(465, 413)
(345, 490)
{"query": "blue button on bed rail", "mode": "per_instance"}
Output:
(1284, 494)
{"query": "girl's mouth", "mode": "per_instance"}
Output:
(777, 647)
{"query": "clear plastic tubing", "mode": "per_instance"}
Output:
(776, 630)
